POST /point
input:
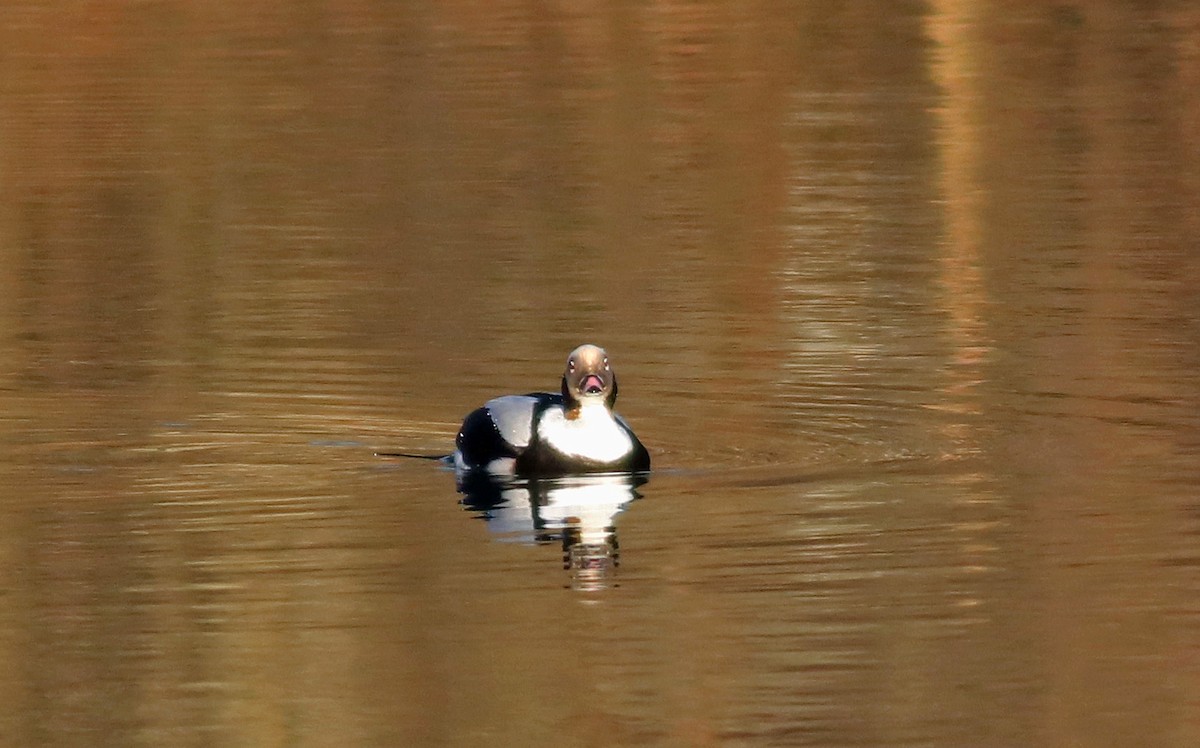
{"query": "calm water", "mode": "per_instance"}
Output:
(905, 303)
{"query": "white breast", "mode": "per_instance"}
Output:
(594, 435)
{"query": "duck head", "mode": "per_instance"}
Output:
(589, 378)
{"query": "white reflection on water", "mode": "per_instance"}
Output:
(580, 511)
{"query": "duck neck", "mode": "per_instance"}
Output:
(587, 409)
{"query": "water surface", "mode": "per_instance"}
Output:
(904, 304)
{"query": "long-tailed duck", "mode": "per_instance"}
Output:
(554, 434)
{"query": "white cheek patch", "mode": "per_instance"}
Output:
(595, 435)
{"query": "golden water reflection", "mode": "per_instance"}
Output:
(904, 304)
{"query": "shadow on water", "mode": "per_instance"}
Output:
(578, 511)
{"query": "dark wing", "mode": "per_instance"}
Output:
(503, 427)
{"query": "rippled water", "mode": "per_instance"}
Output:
(903, 303)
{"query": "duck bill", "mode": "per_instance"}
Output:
(591, 384)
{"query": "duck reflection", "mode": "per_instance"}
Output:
(578, 511)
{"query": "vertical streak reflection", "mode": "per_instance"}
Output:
(951, 67)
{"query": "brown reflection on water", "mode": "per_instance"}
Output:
(905, 304)
(1067, 207)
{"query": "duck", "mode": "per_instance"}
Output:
(574, 431)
